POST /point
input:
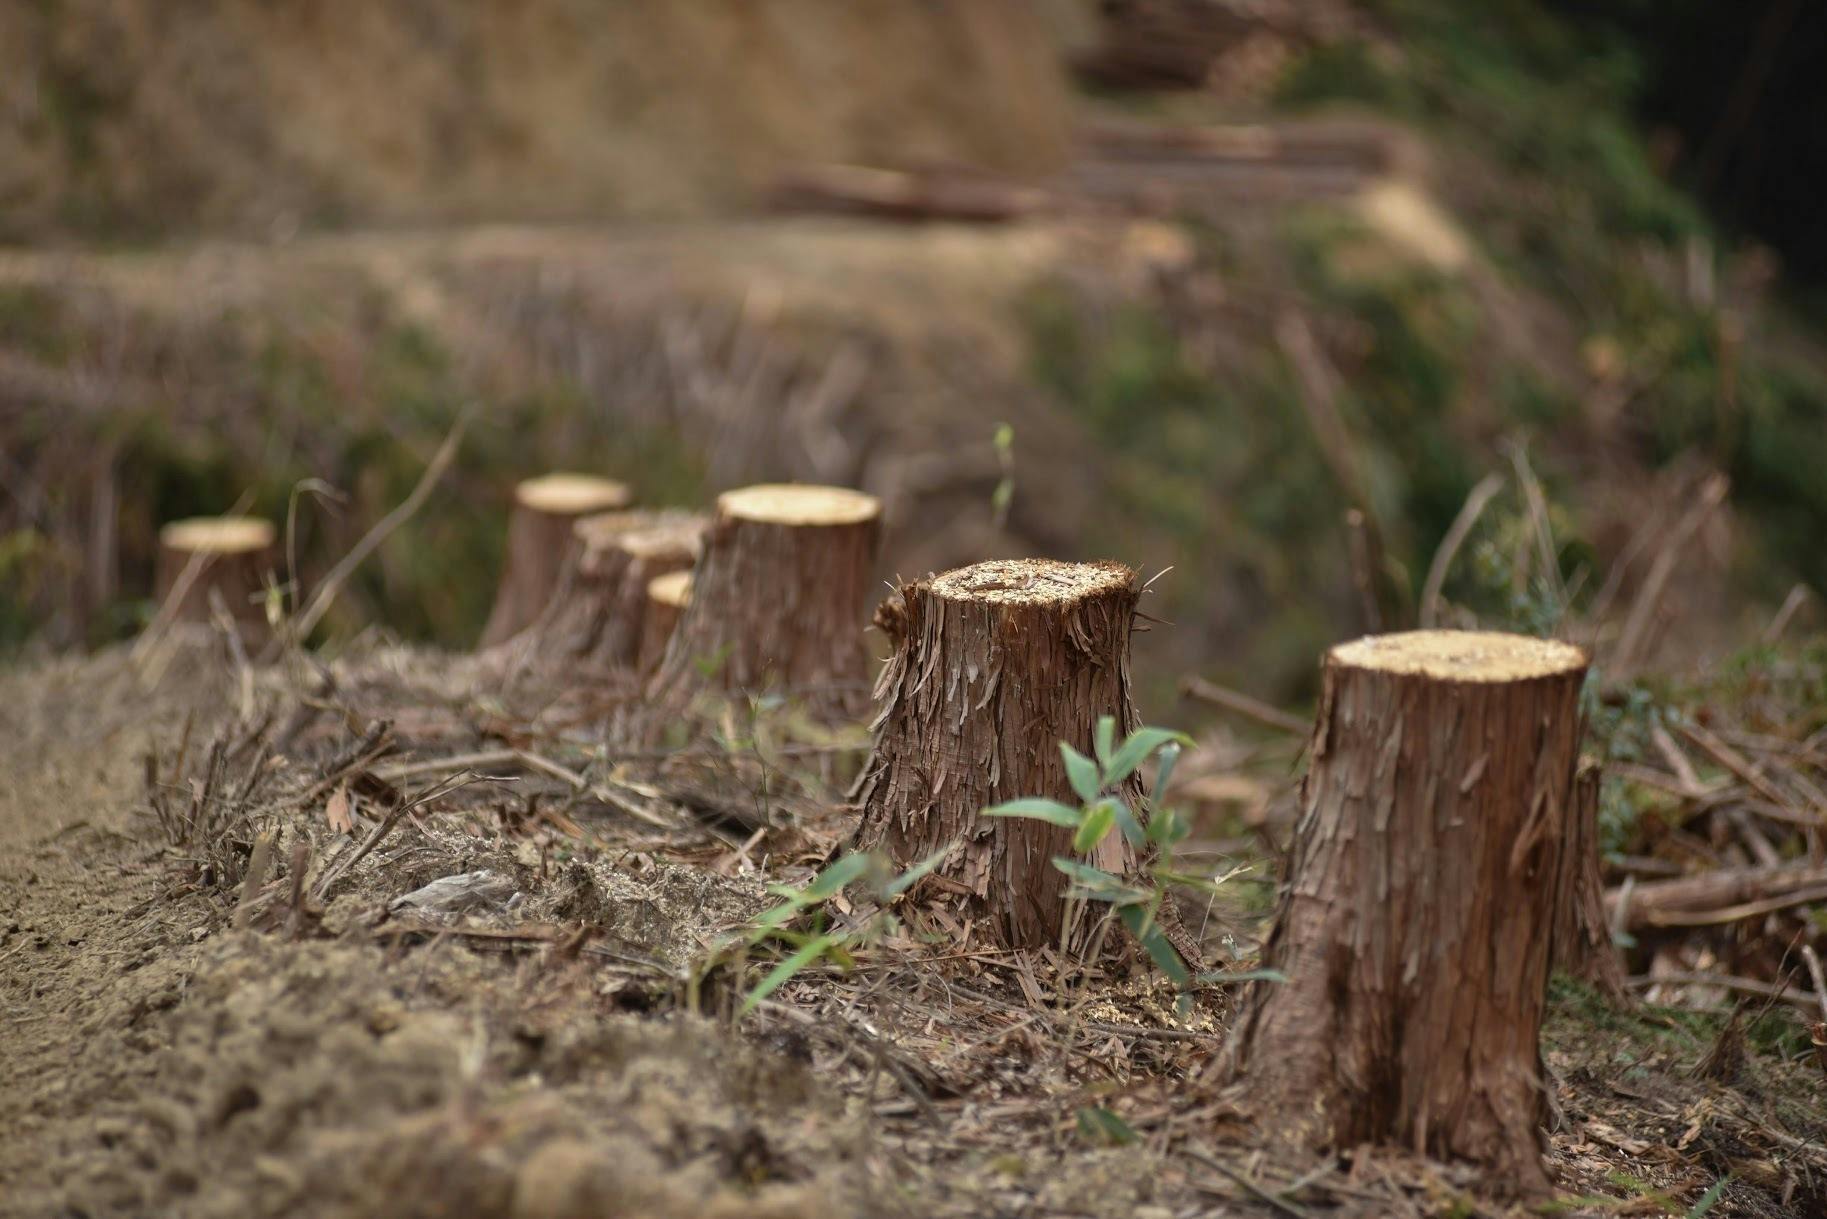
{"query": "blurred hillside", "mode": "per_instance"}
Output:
(1254, 268)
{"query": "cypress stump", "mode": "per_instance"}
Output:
(538, 541)
(666, 598)
(1581, 945)
(780, 596)
(595, 617)
(1415, 927)
(994, 665)
(216, 557)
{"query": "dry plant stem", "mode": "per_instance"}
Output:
(994, 665)
(1251, 708)
(1456, 534)
(780, 596)
(1633, 639)
(1415, 926)
(538, 543)
(1582, 937)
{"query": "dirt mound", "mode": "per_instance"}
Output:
(118, 115)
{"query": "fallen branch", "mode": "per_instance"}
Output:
(1221, 696)
(1723, 896)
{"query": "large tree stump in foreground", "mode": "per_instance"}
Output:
(1581, 944)
(780, 597)
(994, 665)
(221, 557)
(596, 616)
(539, 539)
(1415, 927)
(666, 599)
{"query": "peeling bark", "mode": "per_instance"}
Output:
(1415, 927)
(1581, 945)
(779, 598)
(597, 615)
(539, 539)
(227, 556)
(994, 665)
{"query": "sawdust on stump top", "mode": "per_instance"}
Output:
(799, 504)
(218, 534)
(572, 494)
(1472, 656)
(1030, 581)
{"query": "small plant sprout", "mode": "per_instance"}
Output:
(1153, 830)
(799, 921)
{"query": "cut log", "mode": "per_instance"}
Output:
(538, 541)
(225, 558)
(595, 617)
(780, 597)
(1415, 926)
(666, 599)
(1581, 946)
(994, 665)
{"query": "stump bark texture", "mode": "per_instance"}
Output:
(1581, 945)
(216, 557)
(666, 598)
(1416, 923)
(993, 666)
(597, 614)
(538, 542)
(780, 597)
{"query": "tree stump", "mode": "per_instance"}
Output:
(227, 558)
(994, 665)
(595, 617)
(780, 597)
(539, 539)
(1581, 946)
(1415, 927)
(667, 596)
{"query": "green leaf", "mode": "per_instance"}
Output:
(1105, 739)
(1709, 1198)
(1141, 924)
(1167, 827)
(783, 972)
(905, 880)
(1098, 822)
(1099, 885)
(1039, 809)
(1126, 821)
(1081, 772)
(1100, 1125)
(1135, 751)
(1164, 769)
(1236, 977)
(831, 881)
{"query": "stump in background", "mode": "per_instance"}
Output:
(539, 538)
(1581, 946)
(665, 600)
(994, 665)
(1416, 923)
(595, 617)
(780, 597)
(227, 557)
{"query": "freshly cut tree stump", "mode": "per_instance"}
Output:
(780, 597)
(1581, 946)
(1416, 924)
(595, 617)
(227, 556)
(667, 597)
(994, 665)
(539, 538)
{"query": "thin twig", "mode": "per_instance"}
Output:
(1242, 704)
(1456, 534)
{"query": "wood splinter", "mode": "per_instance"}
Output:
(221, 558)
(994, 665)
(779, 597)
(538, 541)
(1415, 927)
